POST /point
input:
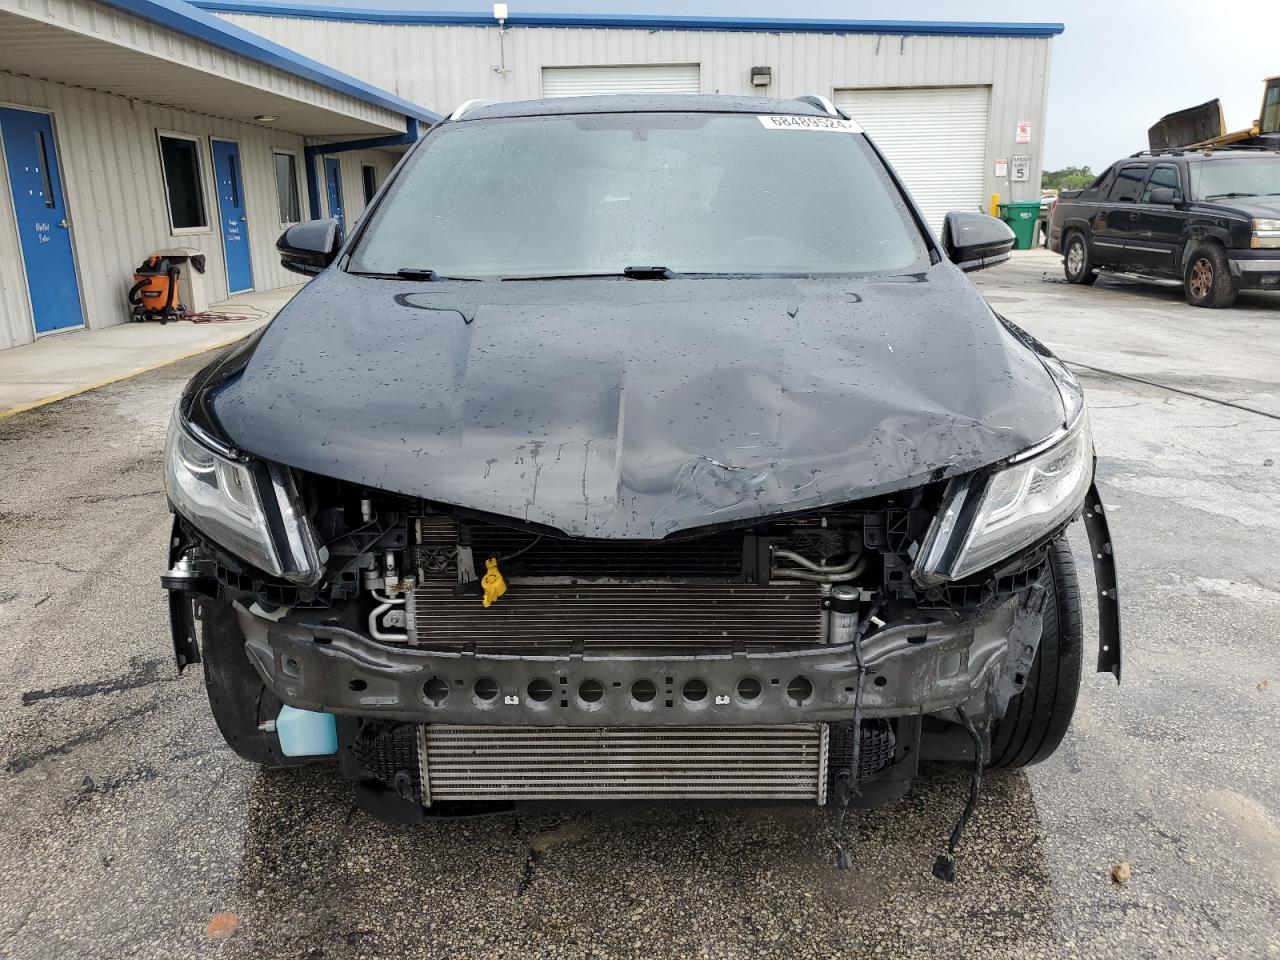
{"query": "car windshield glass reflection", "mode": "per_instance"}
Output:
(1244, 177)
(566, 196)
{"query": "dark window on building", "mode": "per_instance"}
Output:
(1161, 176)
(1128, 185)
(370, 177)
(287, 188)
(184, 187)
(46, 182)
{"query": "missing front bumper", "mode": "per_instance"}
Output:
(911, 669)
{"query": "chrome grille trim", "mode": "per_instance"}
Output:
(781, 762)
(540, 615)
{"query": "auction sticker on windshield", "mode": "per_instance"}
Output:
(829, 124)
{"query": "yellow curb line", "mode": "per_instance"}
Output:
(76, 391)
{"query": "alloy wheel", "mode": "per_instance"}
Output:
(1201, 281)
(1075, 258)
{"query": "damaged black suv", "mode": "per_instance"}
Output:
(636, 449)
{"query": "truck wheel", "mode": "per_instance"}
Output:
(1076, 264)
(237, 695)
(1207, 280)
(1038, 717)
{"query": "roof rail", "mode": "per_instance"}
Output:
(1205, 149)
(822, 103)
(467, 106)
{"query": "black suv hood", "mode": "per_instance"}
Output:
(1260, 208)
(632, 408)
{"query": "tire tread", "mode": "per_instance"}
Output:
(1037, 719)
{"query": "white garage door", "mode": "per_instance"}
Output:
(649, 78)
(935, 137)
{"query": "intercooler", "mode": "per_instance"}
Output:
(786, 762)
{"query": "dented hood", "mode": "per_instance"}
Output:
(635, 409)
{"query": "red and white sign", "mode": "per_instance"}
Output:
(1024, 132)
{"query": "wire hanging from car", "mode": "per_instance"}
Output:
(944, 868)
(525, 549)
(846, 778)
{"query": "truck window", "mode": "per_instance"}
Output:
(1162, 176)
(1098, 189)
(1128, 185)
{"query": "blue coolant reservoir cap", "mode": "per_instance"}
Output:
(306, 733)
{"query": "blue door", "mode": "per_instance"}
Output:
(43, 227)
(235, 235)
(333, 183)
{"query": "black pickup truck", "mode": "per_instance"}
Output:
(1209, 218)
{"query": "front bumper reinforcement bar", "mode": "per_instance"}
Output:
(914, 668)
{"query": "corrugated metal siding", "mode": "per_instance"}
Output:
(111, 172)
(125, 32)
(15, 309)
(935, 137)
(352, 185)
(646, 78)
(444, 65)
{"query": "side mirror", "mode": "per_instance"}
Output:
(310, 246)
(974, 241)
(1164, 195)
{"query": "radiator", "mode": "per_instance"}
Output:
(787, 762)
(620, 615)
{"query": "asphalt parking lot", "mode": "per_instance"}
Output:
(128, 825)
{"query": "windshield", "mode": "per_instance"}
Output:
(1242, 177)
(598, 193)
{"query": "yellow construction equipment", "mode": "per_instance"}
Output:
(1204, 125)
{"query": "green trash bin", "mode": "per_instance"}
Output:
(1021, 216)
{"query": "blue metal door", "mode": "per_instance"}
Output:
(333, 182)
(43, 227)
(235, 234)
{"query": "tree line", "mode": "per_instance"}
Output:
(1068, 178)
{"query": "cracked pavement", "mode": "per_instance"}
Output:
(129, 825)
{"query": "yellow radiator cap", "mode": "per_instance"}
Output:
(492, 583)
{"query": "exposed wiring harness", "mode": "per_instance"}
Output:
(846, 780)
(944, 868)
(525, 549)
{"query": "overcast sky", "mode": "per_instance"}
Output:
(1119, 67)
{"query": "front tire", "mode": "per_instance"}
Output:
(1077, 264)
(1037, 718)
(1207, 280)
(238, 697)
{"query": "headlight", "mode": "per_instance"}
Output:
(984, 521)
(251, 510)
(1266, 235)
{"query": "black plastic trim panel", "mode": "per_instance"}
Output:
(1104, 572)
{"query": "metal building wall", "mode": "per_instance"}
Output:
(126, 33)
(444, 65)
(352, 185)
(110, 166)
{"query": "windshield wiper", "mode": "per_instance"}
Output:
(410, 273)
(648, 273)
(1230, 196)
(628, 273)
(425, 273)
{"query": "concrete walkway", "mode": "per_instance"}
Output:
(63, 365)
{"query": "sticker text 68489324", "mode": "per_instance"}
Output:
(773, 121)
